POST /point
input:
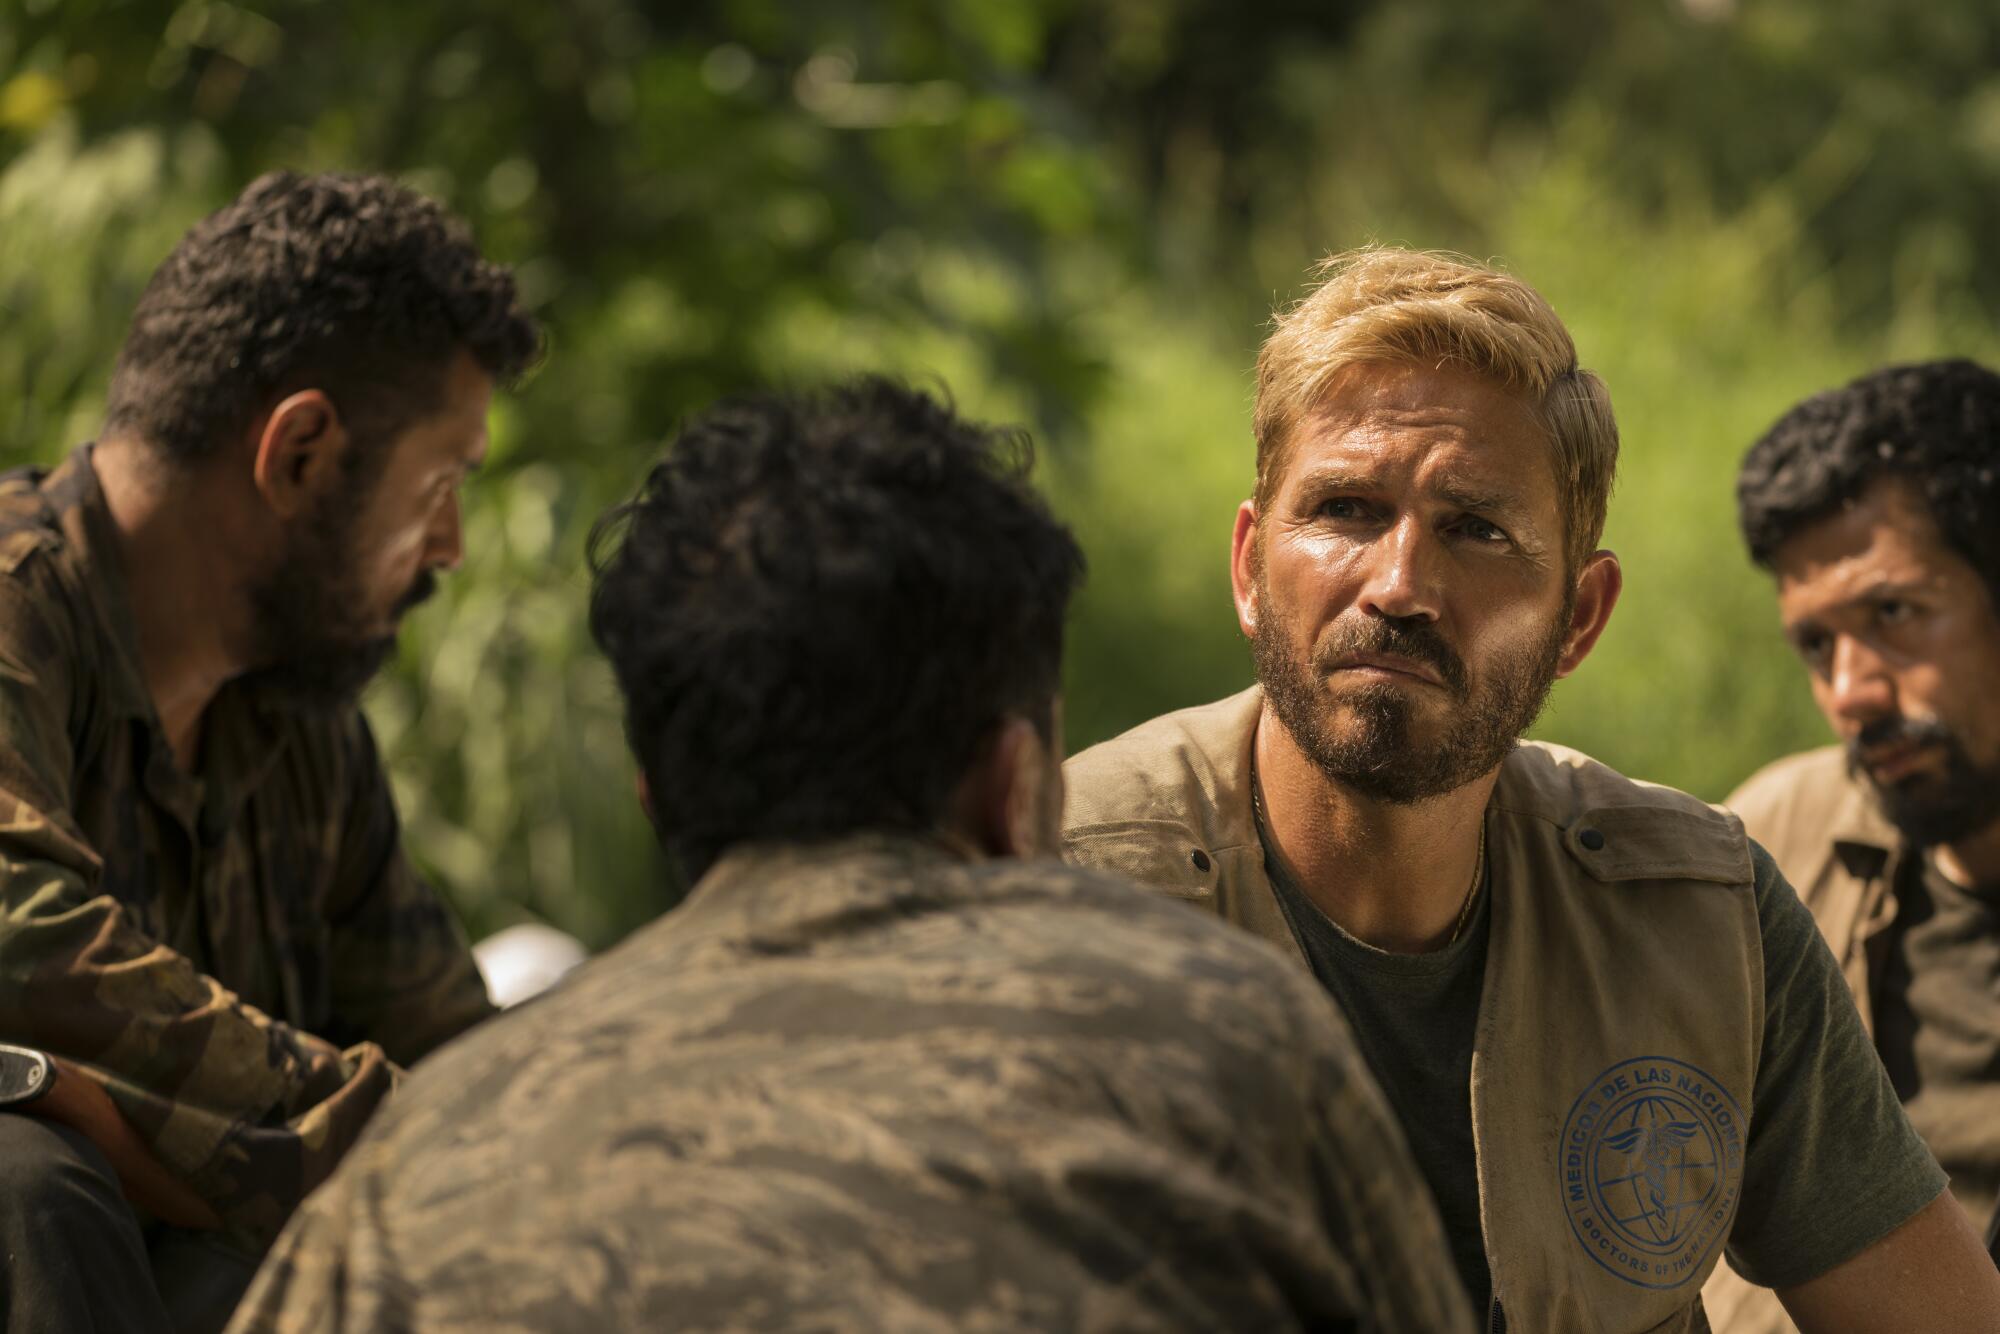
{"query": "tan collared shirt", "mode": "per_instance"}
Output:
(1921, 954)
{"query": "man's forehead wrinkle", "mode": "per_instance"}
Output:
(1372, 416)
(1838, 582)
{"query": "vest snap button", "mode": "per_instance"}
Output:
(1592, 839)
(1200, 860)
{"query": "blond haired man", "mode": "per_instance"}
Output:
(1608, 1027)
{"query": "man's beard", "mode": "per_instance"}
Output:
(1930, 809)
(315, 642)
(1376, 753)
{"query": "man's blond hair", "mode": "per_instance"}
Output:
(1439, 310)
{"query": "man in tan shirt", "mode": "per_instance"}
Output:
(1877, 508)
(1607, 1026)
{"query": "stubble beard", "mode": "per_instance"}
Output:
(1365, 739)
(1929, 811)
(314, 641)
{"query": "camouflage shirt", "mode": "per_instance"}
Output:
(180, 934)
(870, 1086)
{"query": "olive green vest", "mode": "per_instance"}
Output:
(1619, 1025)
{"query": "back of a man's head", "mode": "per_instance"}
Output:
(820, 608)
(341, 282)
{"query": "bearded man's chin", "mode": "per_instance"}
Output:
(332, 676)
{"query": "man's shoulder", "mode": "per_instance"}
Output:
(1546, 777)
(1803, 802)
(1126, 922)
(1138, 802)
(45, 602)
(1033, 917)
(1622, 828)
(28, 523)
(1819, 776)
(1150, 768)
(49, 644)
(1022, 955)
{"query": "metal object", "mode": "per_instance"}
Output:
(25, 1075)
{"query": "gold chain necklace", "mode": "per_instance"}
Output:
(1478, 859)
(1471, 890)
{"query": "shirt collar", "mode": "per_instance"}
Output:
(1861, 836)
(242, 733)
(771, 892)
(73, 493)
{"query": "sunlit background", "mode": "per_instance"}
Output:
(1078, 216)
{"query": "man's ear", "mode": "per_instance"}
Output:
(645, 790)
(1597, 590)
(1243, 567)
(300, 447)
(1010, 803)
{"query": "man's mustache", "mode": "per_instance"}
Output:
(420, 590)
(1897, 731)
(1413, 639)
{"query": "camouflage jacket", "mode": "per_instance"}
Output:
(871, 1086)
(178, 934)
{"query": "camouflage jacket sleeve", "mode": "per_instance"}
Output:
(325, 1277)
(402, 973)
(251, 1112)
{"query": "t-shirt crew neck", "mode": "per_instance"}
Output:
(1414, 1016)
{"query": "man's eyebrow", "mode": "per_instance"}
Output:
(1896, 588)
(1872, 591)
(1475, 500)
(1847, 600)
(1333, 477)
(1501, 502)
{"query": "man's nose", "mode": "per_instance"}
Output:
(1401, 580)
(1859, 685)
(444, 545)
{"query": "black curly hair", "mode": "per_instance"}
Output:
(1935, 424)
(820, 606)
(346, 283)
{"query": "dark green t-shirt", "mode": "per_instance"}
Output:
(1831, 1166)
(1937, 1024)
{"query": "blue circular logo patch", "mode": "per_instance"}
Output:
(1652, 1165)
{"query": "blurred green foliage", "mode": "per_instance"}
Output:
(1076, 216)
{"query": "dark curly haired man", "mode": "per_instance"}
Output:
(1877, 508)
(205, 917)
(891, 1065)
